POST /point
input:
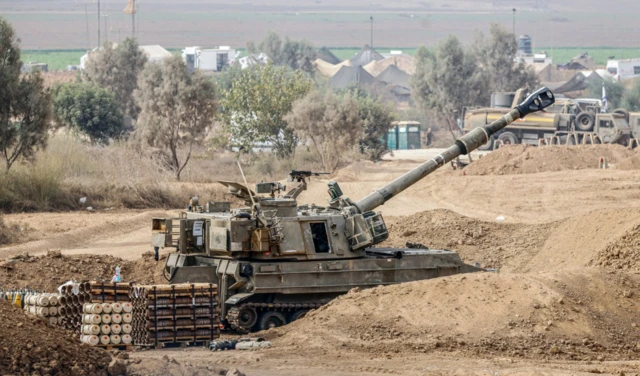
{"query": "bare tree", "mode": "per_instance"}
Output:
(331, 126)
(25, 104)
(176, 108)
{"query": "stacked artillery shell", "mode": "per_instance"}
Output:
(71, 301)
(175, 313)
(75, 296)
(44, 305)
(106, 323)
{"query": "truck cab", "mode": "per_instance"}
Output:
(612, 128)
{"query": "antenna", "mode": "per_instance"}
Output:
(247, 186)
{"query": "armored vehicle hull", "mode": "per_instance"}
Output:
(279, 292)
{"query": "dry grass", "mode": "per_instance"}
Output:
(10, 234)
(125, 175)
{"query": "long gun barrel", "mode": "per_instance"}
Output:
(464, 145)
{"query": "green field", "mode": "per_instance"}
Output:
(59, 59)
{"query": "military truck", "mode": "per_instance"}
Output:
(273, 259)
(566, 123)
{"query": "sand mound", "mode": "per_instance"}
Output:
(29, 346)
(624, 253)
(565, 315)
(492, 244)
(522, 159)
(604, 238)
(47, 272)
(601, 238)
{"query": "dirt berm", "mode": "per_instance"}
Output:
(47, 272)
(29, 346)
(604, 238)
(584, 315)
(523, 159)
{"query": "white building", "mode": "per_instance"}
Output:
(247, 61)
(624, 69)
(212, 59)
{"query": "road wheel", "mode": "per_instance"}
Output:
(297, 314)
(585, 121)
(247, 318)
(622, 112)
(508, 138)
(271, 319)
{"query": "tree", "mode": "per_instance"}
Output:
(496, 55)
(376, 117)
(176, 108)
(615, 92)
(446, 80)
(25, 104)
(297, 55)
(631, 98)
(253, 109)
(89, 109)
(376, 120)
(117, 70)
(331, 125)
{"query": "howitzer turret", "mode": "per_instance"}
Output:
(274, 260)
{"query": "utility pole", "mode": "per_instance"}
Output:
(99, 21)
(106, 28)
(131, 9)
(371, 18)
(514, 22)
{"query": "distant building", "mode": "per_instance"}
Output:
(33, 66)
(255, 59)
(624, 69)
(211, 60)
(155, 54)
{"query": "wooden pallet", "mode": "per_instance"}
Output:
(167, 345)
(122, 347)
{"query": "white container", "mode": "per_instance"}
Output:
(115, 339)
(91, 319)
(53, 311)
(105, 329)
(127, 318)
(127, 307)
(92, 308)
(116, 329)
(104, 339)
(106, 319)
(43, 300)
(42, 311)
(53, 320)
(93, 330)
(126, 339)
(53, 300)
(116, 318)
(106, 308)
(116, 307)
(90, 339)
(126, 328)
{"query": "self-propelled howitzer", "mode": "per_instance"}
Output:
(274, 260)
